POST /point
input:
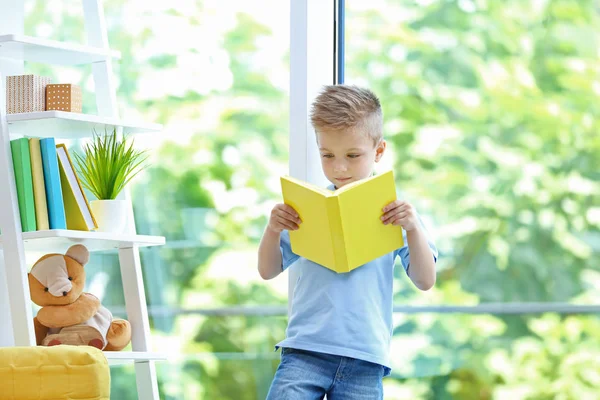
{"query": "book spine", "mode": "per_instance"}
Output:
(337, 234)
(54, 197)
(39, 189)
(24, 183)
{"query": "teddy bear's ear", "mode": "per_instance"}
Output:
(79, 253)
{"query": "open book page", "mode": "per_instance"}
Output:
(313, 239)
(366, 237)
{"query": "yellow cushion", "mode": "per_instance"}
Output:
(53, 373)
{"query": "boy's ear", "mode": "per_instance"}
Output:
(379, 150)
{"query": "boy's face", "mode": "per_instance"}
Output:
(348, 156)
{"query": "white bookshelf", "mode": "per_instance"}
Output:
(27, 48)
(69, 125)
(15, 304)
(128, 357)
(59, 240)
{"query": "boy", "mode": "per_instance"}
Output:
(340, 325)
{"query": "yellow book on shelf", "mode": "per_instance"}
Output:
(342, 230)
(39, 186)
(78, 213)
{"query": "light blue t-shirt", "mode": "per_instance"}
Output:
(348, 314)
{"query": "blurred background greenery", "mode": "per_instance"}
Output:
(491, 115)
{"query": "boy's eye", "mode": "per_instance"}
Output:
(353, 155)
(327, 155)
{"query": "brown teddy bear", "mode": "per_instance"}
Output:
(68, 315)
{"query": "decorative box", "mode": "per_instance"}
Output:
(63, 97)
(26, 93)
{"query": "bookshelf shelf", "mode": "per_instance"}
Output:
(27, 48)
(127, 357)
(59, 240)
(68, 125)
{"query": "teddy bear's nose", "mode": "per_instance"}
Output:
(60, 287)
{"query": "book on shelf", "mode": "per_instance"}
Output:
(24, 182)
(342, 229)
(39, 186)
(54, 197)
(79, 215)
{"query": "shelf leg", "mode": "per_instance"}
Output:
(145, 376)
(13, 269)
(137, 314)
(6, 328)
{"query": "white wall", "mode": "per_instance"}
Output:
(311, 67)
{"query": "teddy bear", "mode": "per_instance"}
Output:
(68, 315)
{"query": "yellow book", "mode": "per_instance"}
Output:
(78, 213)
(342, 230)
(39, 186)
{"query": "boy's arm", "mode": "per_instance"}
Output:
(269, 255)
(422, 260)
(422, 263)
(270, 261)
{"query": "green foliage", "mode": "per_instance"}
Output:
(497, 115)
(109, 164)
(479, 357)
(489, 108)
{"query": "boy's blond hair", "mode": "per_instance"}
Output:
(343, 107)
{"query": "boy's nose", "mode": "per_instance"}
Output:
(340, 167)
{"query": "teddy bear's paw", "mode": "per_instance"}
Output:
(53, 340)
(119, 335)
(97, 343)
(82, 335)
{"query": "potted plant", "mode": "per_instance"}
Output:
(105, 169)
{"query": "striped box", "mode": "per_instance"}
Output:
(63, 97)
(26, 93)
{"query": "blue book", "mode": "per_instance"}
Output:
(54, 197)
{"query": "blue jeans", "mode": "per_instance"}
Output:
(306, 375)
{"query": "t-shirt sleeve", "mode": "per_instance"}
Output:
(288, 257)
(404, 253)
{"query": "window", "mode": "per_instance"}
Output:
(489, 112)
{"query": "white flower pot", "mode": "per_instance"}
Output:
(110, 215)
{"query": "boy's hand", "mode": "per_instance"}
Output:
(283, 217)
(402, 213)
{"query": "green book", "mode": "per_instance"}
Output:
(24, 182)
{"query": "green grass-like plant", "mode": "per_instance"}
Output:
(109, 164)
